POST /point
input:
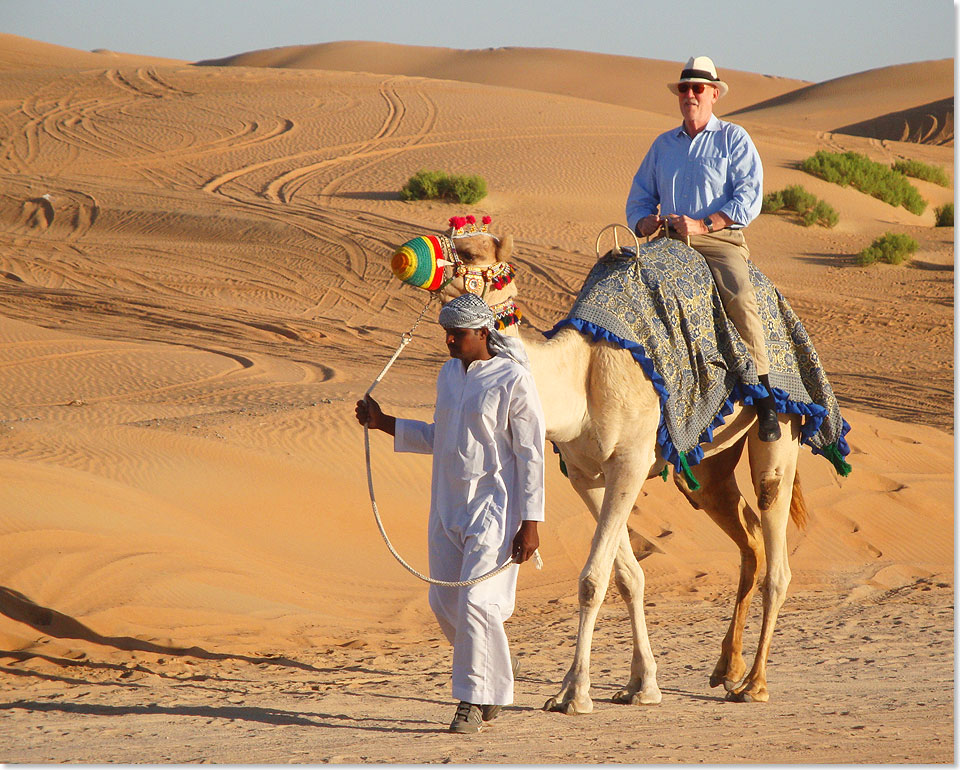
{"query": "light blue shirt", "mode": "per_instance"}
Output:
(718, 170)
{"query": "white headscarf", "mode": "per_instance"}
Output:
(468, 311)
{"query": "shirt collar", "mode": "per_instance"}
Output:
(480, 363)
(712, 125)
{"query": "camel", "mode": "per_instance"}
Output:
(602, 412)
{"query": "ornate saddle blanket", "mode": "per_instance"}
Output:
(663, 306)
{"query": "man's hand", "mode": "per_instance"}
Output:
(369, 413)
(684, 225)
(526, 542)
(649, 225)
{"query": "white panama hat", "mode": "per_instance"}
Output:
(699, 69)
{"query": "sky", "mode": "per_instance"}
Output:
(812, 40)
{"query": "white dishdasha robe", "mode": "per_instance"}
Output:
(487, 443)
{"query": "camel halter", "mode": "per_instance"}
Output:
(405, 339)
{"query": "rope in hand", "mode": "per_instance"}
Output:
(405, 339)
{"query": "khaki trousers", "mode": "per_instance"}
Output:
(726, 253)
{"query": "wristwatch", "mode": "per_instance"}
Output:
(709, 223)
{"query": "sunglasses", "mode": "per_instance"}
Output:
(697, 88)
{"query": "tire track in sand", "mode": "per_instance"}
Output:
(277, 189)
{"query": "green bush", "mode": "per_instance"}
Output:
(876, 179)
(434, 185)
(825, 214)
(424, 185)
(919, 170)
(772, 203)
(794, 198)
(944, 215)
(892, 248)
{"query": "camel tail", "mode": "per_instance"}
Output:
(798, 508)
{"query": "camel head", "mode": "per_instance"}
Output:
(466, 259)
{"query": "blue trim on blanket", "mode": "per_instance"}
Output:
(813, 414)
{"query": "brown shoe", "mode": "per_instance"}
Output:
(467, 719)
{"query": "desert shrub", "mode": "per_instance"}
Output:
(892, 248)
(805, 204)
(826, 215)
(464, 189)
(424, 185)
(772, 203)
(944, 215)
(797, 199)
(876, 179)
(924, 171)
(433, 185)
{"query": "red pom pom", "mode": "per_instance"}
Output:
(452, 221)
(487, 220)
(471, 219)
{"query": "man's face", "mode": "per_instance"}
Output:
(466, 344)
(697, 108)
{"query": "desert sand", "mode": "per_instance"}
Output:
(194, 291)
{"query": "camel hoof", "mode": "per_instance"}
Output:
(629, 698)
(728, 684)
(745, 696)
(567, 707)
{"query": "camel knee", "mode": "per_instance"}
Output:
(590, 591)
(630, 583)
(768, 489)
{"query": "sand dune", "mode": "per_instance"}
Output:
(627, 81)
(194, 290)
(852, 102)
(927, 124)
(20, 53)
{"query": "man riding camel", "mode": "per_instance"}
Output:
(707, 179)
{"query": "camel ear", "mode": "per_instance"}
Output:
(505, 249)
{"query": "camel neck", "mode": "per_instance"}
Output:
(559, 367)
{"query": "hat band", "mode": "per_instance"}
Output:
(701, 74)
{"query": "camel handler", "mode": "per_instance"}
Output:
(486, 497)
(707, 179)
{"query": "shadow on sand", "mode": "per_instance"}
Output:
(245, 713)
(18, 607)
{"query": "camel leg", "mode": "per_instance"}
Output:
(642, 688)
(773, 466)
(719, 496)
(623, 486)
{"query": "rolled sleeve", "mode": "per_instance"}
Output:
(528, 434)
(413, 436)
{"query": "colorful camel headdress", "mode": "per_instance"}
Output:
(465, 227)
(421, 260)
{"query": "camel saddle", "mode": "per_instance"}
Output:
(661, 304)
